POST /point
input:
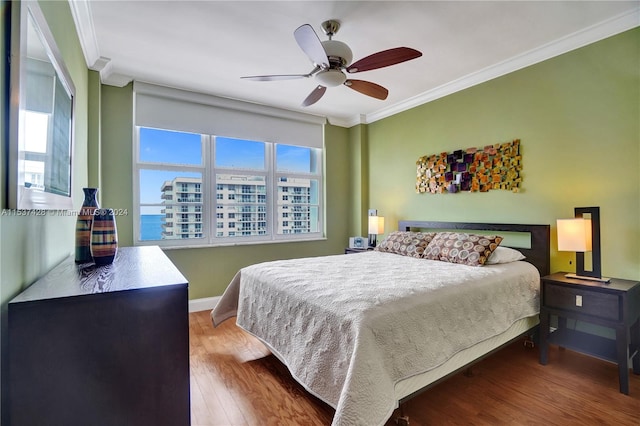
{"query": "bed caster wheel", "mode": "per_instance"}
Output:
(402, 421)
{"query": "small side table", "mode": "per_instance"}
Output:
(615, 305)
(349, 250)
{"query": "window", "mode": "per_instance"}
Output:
(213, 171)
(166, 183)
(258, 187)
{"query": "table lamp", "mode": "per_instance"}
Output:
(582, 234)
(376, 227)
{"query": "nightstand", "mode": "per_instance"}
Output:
(349, 250)
(615, 305)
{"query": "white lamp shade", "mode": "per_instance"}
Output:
(574, 234)
(376, 225)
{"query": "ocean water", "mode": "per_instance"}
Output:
(151, 227)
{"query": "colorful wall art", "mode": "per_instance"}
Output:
(474, 169)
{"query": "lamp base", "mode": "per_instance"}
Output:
(583, 277)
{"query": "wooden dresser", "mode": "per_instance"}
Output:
(102, 345)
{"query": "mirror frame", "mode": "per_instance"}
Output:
(19, 196)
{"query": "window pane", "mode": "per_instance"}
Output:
(243, 199)
(314, 223)
(314, 195)
(36, 131)
(297, 206)
(164, 146)
(176, 201)
(151, 220)
(296, 159)
(240, 154)
(39, 171)
(34, 174)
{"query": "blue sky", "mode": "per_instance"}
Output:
(162, 146)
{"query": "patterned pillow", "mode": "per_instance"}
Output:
(406, 243)
(468, 249)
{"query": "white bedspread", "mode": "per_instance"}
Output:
(349, 327)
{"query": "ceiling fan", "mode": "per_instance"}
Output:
(331, 58)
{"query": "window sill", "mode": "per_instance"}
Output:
(226, 244)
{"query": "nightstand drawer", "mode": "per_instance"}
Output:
(599, 304)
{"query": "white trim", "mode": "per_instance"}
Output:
(347, 121)
(82, 16)
(589, 35)
(204, 304)
(83, 19)
(108, 77)
(115, 79)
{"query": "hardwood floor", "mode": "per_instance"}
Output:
(236, 381)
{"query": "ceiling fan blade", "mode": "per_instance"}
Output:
(275, 77)
(384, 58)
(314, 96)
(367, 88)
(310, 43)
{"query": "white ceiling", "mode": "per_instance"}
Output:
(206, 46)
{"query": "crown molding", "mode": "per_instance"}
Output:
(108, 77)
(346, 121)
(81, 12)
(82, 17)
(589, 35)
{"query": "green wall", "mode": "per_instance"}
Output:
(578, 118)
(359, 172)
(209, 270)
(31, 246)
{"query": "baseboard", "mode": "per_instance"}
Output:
(203, 304)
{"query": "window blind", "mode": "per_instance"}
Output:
(174, 109)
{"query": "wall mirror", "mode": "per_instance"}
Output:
(41, 115)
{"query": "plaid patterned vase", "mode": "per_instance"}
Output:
(104, 237)
(83, 225)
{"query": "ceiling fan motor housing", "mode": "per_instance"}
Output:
(339, 53)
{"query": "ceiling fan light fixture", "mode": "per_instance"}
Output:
(331, 78)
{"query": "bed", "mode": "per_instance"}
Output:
(364, 332)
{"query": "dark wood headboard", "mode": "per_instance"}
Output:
(538, 254)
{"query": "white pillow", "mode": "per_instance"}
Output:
(504, 255)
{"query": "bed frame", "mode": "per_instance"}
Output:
(537, 254)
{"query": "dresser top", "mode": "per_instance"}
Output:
(133, 268)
